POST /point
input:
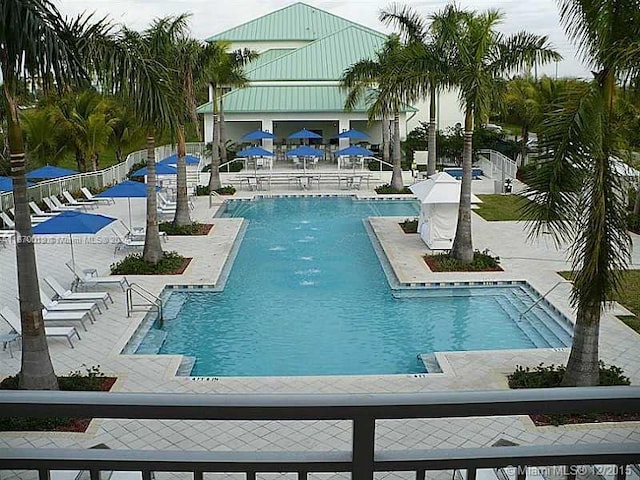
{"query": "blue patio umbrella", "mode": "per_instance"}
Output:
(6, 184)
(254, 152)
(354, 151)
(353, 134)
(305, 151)
(173, 160)
(72, 222)
(304, 134)
(161, 169)
(127, 189)
(45, 173)
(258, 135)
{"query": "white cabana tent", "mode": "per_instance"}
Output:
(439, 197)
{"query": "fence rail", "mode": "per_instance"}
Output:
(361, 409)
(99, 179)
(496, 165)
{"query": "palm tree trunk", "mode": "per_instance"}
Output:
(463, 243)
(396, 177)
(223, 134)
(431, 162)
(583, 367)
(214, 179)
(386, 144)
(36, 370)
(152, 252)
(525, 140)
(182, 200)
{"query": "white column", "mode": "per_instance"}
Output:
(267, 126)
(343, 124)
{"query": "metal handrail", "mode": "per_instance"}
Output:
(543, 297)
(153, 300)
(214, 194)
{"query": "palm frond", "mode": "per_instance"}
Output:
(413, 28)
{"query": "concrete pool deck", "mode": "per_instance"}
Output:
(535, 263)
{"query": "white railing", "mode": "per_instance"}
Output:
(99, 179)
(496, 165)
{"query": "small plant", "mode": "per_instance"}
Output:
(387, 189)
(226, 190)
(482, 262)
(169, 228)
(633, 222)
(410, 225)
(202, 190)
(135, 167)
(234, 167)
(134, 264)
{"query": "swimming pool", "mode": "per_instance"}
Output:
(307, 296)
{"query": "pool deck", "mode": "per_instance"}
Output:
(535, 263)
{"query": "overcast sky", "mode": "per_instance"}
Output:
(213, 16)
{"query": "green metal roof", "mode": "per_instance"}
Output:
(268, 56)
(325, 59)
(285, 99)
(292, 23)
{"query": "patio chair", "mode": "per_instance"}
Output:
(35, 219)
(38, 212)
(89, 196)
(77, 203)
(136, 233)
(53, 207)
(48, 316)
(90, 279)
(56, 201)
(124, 242)
(14, 322)
(69, 296)
(61, 306)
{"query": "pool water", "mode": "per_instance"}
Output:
(307, 296)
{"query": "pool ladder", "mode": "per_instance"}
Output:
(149, 300)
(543, 297)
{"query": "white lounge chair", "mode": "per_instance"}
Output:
(69, 296)
(91, 198)
(91, 280)
(48, 316)
(62, 306)
(54, 208)
(124, 242)
(35, 219)
(38, 211)
(56, 201)
(14, 322)
(77, 203)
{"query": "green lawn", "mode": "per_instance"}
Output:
(501, 207)
(629, 296)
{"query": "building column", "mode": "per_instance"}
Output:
(343, 124)
(267, 126)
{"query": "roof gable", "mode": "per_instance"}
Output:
(298, 21)
(324, 59)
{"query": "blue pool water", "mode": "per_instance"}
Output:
(307, 296)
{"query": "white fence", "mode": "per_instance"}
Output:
(99, 179)
(496, 165)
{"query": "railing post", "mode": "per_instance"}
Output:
(364, 431)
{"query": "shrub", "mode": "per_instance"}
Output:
(234, 167)
(482, 262)
(410, 225)
(633, 222)
(193, 228)
(388, 189)
(550, 376)
(525, 172)
(226, 190)
(134, 264)
(135, 167)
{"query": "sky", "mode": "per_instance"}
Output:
(213, 16)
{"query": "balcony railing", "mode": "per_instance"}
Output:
(361, 409)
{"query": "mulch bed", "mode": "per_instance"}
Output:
(546, 420)
(73, 425)
(434, 265)
(178, 271)
(408, 228)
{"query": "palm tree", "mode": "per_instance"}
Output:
(127, 134)
(479, 57)
(578, 191)
(428, 65)
(385, 91)
(222, 70)
(45, 140)
(34, 43)
(522, 106)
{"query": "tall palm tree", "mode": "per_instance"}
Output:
(127, 134)
(578, 191)
(427, 65)
(45, 140)
(522, 106)
(480, 56)
(385, 90)
(222, 70)
(34, 43)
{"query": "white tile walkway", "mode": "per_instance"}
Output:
(101, 345)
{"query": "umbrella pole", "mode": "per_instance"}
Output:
(130, 223)
(73, 258)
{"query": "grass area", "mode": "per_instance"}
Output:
(501, 208)
(628, 296)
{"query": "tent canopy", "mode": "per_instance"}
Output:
(440, 188)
